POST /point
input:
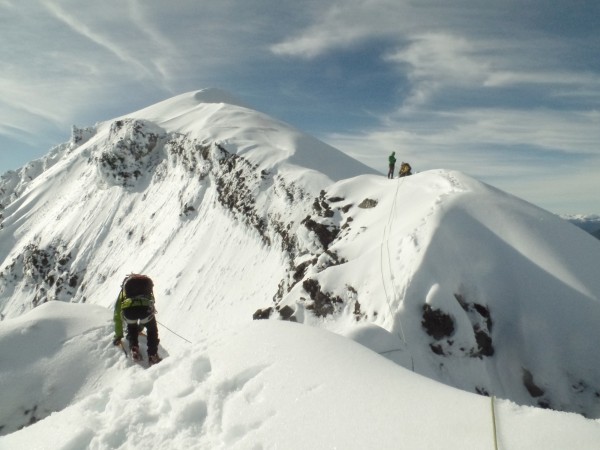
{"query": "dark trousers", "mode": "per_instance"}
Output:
(391, 171)
(138, 318)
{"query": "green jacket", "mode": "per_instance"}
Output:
(123, 303)
(392, 159)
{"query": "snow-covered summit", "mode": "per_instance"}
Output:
(188, 101)
(214, 115)
(237, 216)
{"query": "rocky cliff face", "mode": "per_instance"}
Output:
(134, 157)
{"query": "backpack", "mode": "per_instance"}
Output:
(405, 169)
(137, 285)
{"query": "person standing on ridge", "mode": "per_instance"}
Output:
(392, 165)
(135, 307)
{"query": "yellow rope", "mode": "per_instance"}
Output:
(494, 424)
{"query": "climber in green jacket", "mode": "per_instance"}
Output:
(392, 165)
(135, 307)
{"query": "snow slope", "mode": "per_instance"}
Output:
(263, 385)
(237, 216)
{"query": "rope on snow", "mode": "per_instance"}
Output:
(385, 239)
(178, 335)
(494, 422)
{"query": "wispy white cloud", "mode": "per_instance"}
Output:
(434, 61)
(342, 24)
(463, 138)
(103, 38)
(442, 56)
(166, 51)
(17, 98)
(499, 94)
(560, 77)
(501, 90)
(547, 157)
(442, 44)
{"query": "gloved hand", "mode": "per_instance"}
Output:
(117, 341)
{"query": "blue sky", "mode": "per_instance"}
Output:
(506, 91)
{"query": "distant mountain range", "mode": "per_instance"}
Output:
(589, 223)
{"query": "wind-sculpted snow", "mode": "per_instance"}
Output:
(237, 216)
(50, 358)
(463, 275)
(260, 385)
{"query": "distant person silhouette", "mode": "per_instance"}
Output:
(392, 165)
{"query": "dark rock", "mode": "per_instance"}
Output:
(261, 314)
(484, 342)
(323, 303)
(533, 389)
(436, 323)
(368, 203)
(326, 234)
(481, 320)
(286, 313)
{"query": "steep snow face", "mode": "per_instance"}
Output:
(52, 356)
(517, 290)
(467, 283)
(237, 216)
(192, 182)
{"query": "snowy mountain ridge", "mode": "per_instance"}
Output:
(238, 216)
(129, 155)
(587, 222)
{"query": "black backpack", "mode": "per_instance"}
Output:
(137, 285)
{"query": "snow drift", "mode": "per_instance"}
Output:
(269, 385)
(262, 385)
